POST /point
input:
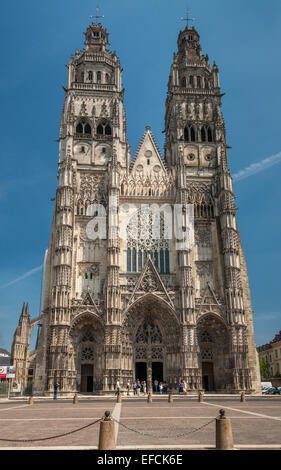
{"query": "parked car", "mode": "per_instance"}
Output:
(273, 391)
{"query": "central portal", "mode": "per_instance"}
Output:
(87, 377)
(141, 371)
(157, 371)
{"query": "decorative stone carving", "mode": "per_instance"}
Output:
(203, 235)
(89, 267)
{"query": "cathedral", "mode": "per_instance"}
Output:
(123, 297)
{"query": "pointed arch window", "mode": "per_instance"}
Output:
(90, 75)
(183, 82)
(199, 83)
(210, 135)
(107, 130)
(100, 129)
(87, 129)
(79, 128)
(203, 134)
(83, 129)
(142, 242)
(104, 128)
(191, 81)
(98, 77)
(186, 134)
(129, 260)
(192, 134)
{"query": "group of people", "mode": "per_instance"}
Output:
(161, 387)
(140, 387)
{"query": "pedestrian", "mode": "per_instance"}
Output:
(144, 387)
(117, 388)
(138, 388)
(128, 387)
(155, 385)
(55, 390)
(161, 388)
(134, 388)
(181, 386)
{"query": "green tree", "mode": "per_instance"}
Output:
(264, 368)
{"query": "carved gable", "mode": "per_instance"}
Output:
(148, 160)
(148, 174)
(150, 282)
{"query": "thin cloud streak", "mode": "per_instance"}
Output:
(257, 167)
(24, 276)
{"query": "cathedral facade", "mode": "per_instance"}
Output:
(124, 299)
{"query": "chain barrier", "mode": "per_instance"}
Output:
(160, 436)
(52, 437)
(175, 436)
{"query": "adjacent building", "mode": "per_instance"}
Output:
(271, 353)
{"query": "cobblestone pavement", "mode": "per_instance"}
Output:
(255, 423)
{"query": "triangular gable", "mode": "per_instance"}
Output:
(148, 159)
(209, 297)
(148, 282)
(88, 300)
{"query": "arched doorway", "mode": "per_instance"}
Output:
(213, 340)
(149, 351)
(87, 336)
(151, 335)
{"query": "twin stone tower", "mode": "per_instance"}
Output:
(123, 297)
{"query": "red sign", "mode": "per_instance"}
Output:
(3, 372)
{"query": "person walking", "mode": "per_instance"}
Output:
(55, 390)
(134, 388)
(117, 388)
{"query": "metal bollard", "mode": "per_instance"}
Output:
(119, 398)
(31, 400)
(170, 398)
(75, 399)
(224, 438)
(242, 397)
(107, 433)
(200, 397)
(149, 398)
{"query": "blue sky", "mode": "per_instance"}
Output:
(37, 39)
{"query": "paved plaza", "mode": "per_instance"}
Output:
(183, 424)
